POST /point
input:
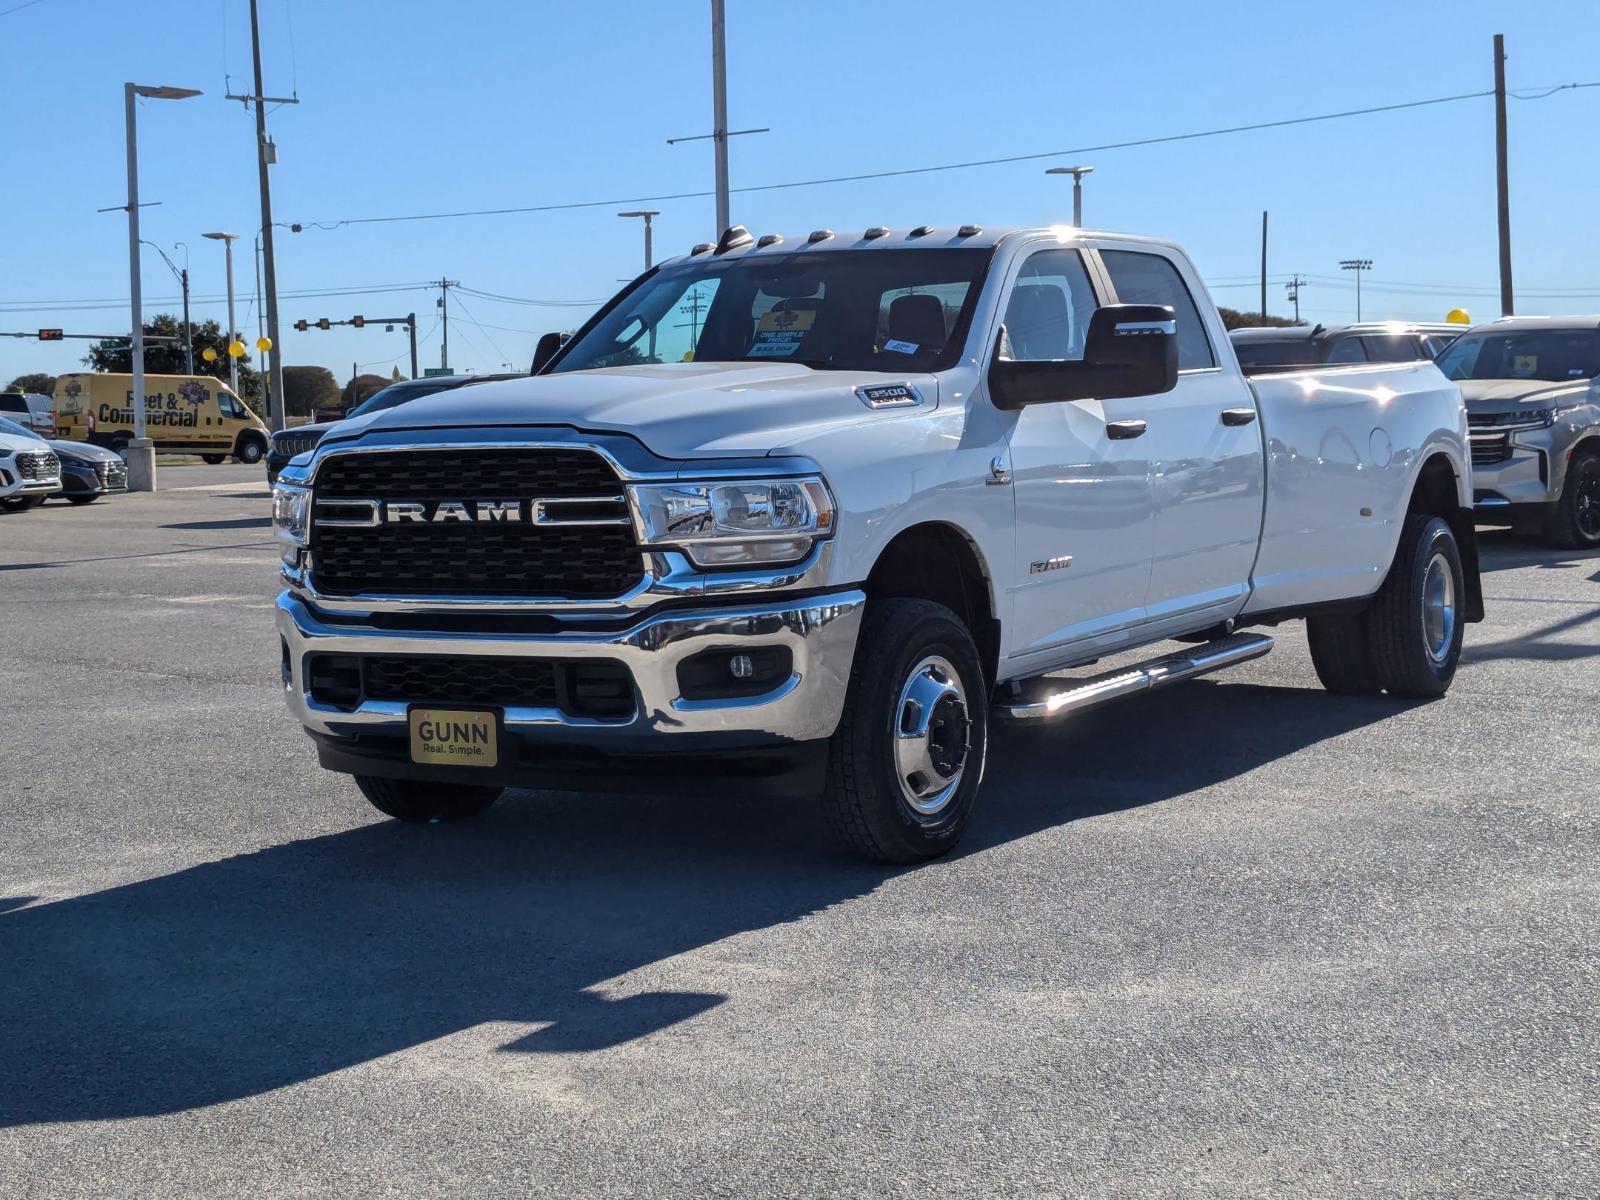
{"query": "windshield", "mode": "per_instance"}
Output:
(842, 310)
(1552, 354)
(397, 394)
(16, 430)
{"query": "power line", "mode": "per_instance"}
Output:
(956, 166)
(6, 12)
(504, 357)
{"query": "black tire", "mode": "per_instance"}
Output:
(1399, 632)
(1341, 654)
(250, 450)
(213, 460)
(866, 803)
(419, 800)
(23, 503)
(90, 499)
(118, 445)
(1574, 520)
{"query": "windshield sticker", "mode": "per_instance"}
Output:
(1525, 366)
(780, 332)
(900, 347)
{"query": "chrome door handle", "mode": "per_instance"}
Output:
(1123, 430)
(1238, 416)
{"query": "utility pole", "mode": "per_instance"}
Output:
(444, 316)
(720, 133)
(266, 155)
(1263, 267)
(188, 329)
(1502, 175)
(1292, 291)
(411, 327)
(1358, 265)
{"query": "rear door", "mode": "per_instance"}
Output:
(1203, 440)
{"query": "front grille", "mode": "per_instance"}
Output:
(1488, 450)
(290, 444)
(528, 682)
(37, 465)
(488, 558)
(601, 689)
(112, 474)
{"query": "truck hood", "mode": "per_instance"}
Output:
(1492, 396)
(677, 410)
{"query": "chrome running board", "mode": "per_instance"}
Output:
(1144, 677)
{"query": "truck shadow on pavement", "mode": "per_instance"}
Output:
(235, 977)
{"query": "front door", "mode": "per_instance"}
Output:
(1083, 526)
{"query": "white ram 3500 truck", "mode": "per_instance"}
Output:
(810, 514)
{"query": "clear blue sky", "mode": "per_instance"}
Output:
(411, 106)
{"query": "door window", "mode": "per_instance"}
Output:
(1142, 278)
(1347, 350)
(1051, 304)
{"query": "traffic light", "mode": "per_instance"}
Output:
(302, 326)
(358, 322)
(324, 323)
(50, 335)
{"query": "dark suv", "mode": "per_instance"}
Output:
(1292, 347)
(287, 443)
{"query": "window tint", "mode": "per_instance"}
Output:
(1553, 354)
(1347, 350)
(1150, 279)
(1398, 347)
(13, 404)
(1280, 352)
(1048, 314)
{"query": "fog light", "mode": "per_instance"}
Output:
(725, 674)
(741, 667)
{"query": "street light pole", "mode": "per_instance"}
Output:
(647, 214)
(141, 453)
(233, 364)
(1077, 174)
(269, 265)
(719, 104)
(1358, 265)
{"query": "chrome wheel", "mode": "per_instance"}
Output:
(931, 734)
(1439, 608)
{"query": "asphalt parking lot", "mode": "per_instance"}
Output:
(1243, 938)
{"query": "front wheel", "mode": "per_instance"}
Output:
(908, 756)
(249, 451)
(23, 503)
(213, 460)
(417, 800)
(1574, 522)
(89, 499)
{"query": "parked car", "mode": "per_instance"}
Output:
(29, 469)
(879, 494)
(89, 471)
(287, 443)
(1290, 347)
(29, 409)
(1532, 388)
(183, 414)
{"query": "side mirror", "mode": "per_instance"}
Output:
(1130, 350)
(546, 350)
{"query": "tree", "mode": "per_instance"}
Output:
(1232, 318)
(45, 385)
(396, 377)
(306, 389)
(166, 358)
(362, 386)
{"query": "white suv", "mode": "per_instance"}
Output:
(29, 469)
(32, 410)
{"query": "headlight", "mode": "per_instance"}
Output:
(291, 518)
(738, 522)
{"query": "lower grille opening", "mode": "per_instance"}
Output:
(600, 688)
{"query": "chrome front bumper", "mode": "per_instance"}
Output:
(819, 631)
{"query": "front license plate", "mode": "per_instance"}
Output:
(455, 737)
